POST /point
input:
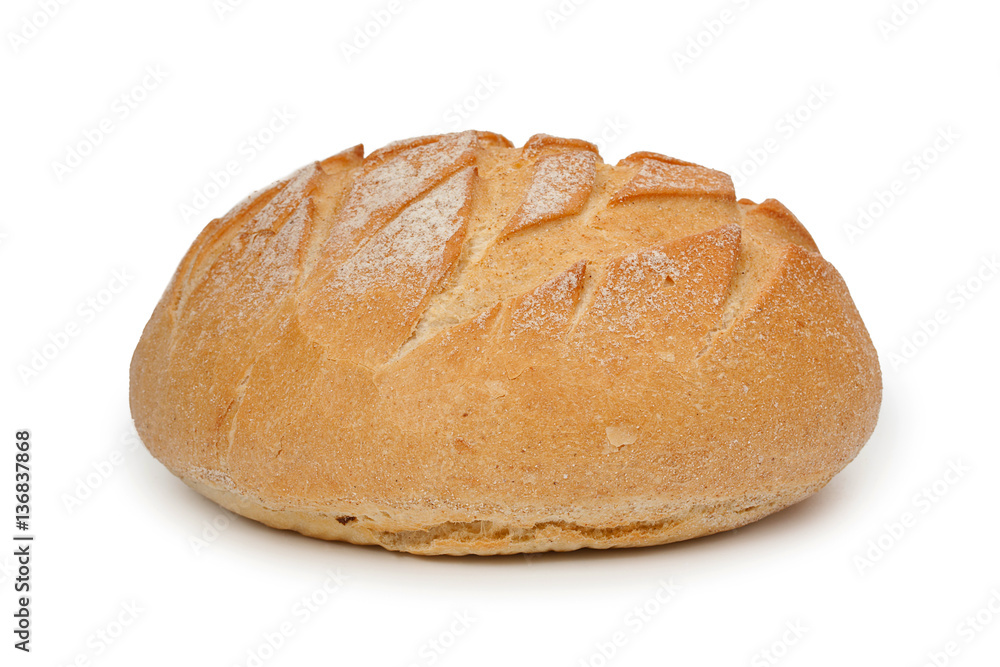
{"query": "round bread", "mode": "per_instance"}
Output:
(456, 346)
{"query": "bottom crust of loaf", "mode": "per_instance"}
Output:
(485, 538)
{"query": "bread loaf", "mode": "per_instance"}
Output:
(457, 346)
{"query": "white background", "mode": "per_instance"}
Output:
(859, 586)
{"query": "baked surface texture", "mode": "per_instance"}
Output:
(457, 346)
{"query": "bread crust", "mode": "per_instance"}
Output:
(456, 346)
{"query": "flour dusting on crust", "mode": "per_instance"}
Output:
(411, 246)
(383, 189)
(550, 306)
(560, 187)
(656, 177)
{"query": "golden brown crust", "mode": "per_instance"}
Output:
(457, 346)
(666, 177)
(538, 143)
(772, 220)
(560, 186)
